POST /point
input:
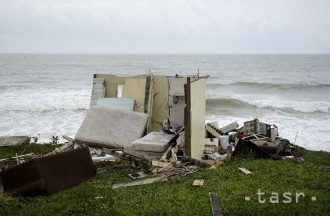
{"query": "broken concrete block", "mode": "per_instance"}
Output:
(229, 127)
(153, 142)
(98, 90)
(110, 127)
(14, 140)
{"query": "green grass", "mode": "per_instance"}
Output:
(179, 197)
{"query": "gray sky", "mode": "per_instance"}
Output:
(165, 26)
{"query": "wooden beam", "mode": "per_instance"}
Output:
(216, 210)
(245, 171)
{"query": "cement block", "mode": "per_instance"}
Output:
(111, 127)
(14, 140)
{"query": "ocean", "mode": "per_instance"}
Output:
(50, 94)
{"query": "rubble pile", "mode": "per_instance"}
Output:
(163, 134)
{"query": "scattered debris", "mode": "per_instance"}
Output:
(54, 140)
(245, 171)
(137, 175)
(214, 200)
(138, 182)
(105, 157)
(157, 124)
(198, 182)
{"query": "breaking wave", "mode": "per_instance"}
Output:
(286, 106)
(274, 85)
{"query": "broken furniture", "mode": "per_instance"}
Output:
(49, 174)
(153, 142)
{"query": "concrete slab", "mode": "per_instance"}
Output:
(110, 127)
(14, 140)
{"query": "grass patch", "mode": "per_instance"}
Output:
(179, 197)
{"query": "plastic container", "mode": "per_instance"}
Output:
(224, 141)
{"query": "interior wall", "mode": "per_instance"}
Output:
(176, 99)
(136, 88)
(159, 107)
(111, 83)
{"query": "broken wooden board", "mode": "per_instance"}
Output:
(138, 182)
(159, 163)
(214, 200)
(69, 139)
(245, 171)
(198, 182)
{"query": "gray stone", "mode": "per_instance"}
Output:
(14, 140)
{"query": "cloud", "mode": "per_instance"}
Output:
(159, 26)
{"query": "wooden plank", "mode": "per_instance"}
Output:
(187, 120)
(214, 200)
(137, 182)
(198, 182)
(159, 163)
(245, 171)
(137, 155)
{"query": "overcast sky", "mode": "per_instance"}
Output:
(165, 26)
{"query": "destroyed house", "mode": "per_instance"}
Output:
(141, 105)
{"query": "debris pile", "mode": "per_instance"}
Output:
(156, 124)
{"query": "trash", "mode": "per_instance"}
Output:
(198, 182)
(159, 163)
(245, 171)
(137, 175)
(214, 200)
(18, 159)
(105, 157)
(224, 141)
(138, 182)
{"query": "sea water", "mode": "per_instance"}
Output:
(50, 94)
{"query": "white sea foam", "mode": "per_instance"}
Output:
(275, 101)
(42, 99)
(49, 94)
